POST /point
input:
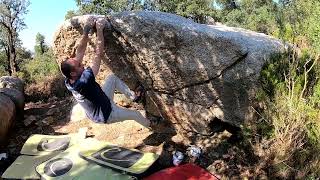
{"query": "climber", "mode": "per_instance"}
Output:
(96, 101)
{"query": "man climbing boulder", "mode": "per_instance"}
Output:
(95, 100)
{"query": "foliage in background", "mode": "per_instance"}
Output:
(41, 66)
(291, 86)
(22, 54)
(3, 64)
(11, 22)
(286, 19)
(70, 14)
(40, 46)
(107, 7)
(291, 114)
(257, 15)
(198, 10)
(41, 73)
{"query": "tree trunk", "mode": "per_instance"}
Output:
(199, 19)
(13, 63)
(233, 4)
(8, 61)
(12, 56)
(41, 47)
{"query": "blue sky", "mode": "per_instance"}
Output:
(44, 16)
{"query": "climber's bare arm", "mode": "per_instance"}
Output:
(95, 64)
(82, 45)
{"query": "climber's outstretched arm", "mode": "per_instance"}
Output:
(95, 64)
(82, 45)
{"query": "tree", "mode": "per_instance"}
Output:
(197, 10)
(106, 6)
(150, 5)
(302, 24)
(227, 4)
(257, 15)
(70, 14)
(11, 22)
(3, 63)
(40, 46)
(23, 55)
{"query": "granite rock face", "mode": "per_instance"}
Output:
(12, 82)
(194, 73)
(7, 116)
(12, 103)
(16, 96)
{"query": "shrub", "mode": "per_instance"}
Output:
(40, 67)
(49, 87)
(43, 78)
(291, 98)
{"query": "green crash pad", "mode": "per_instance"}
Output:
(127, 160)
(39, 144)
(68, 165)
(24, 167)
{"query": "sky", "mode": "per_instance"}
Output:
(44, 16)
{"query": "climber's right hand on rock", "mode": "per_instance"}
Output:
(100, 23)
(90, 20)
(89, 23)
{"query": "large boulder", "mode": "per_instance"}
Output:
(7, 115)
(17, 97)
(12, 82)
(194, 73)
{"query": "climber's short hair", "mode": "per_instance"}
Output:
(66, 68)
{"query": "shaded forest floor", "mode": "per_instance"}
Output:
(224, 154)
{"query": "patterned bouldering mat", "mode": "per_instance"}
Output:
(127, 160)
(24, 167)
(38, 144)
(68, 165)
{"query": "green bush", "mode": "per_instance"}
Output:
(291, 98)
(43, 78)
(39, 68)
(315, 98)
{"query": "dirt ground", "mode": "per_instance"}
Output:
(223, 154)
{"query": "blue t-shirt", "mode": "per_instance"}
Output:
(90, 96)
